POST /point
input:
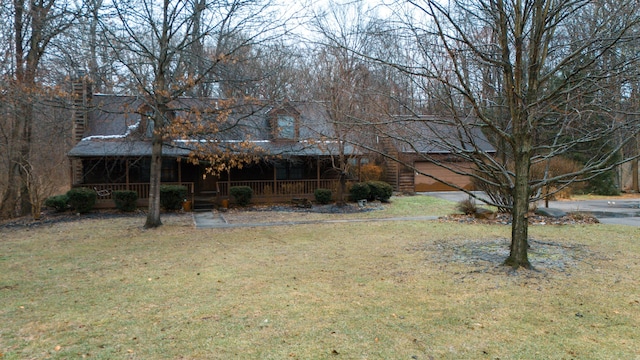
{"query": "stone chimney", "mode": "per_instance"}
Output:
(81, 99)
(81, 88)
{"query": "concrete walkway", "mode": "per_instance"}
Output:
(209, 220)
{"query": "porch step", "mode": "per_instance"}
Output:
(203, 206)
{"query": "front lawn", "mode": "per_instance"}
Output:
(107, 289)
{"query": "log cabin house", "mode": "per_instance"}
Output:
(112, 151)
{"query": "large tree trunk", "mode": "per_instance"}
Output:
(520, 222)
(16, 199)
(153, 216)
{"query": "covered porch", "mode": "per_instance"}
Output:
(271, 181)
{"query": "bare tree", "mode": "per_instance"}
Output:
(29, 28)
(353, 89)
(159, 44)
(532, 74)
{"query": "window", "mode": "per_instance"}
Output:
(169, 172)
(289, 171)
(286, 127)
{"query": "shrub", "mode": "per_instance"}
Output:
(242, 194)
(125, 200)
(172, 196)
(58, 202)
(322, 196)
(370, 172)
(467, 206)
(379, 190)
(603, 184)
(82, 200)
(556, 166)
(359, 191)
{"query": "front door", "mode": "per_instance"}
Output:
(207, 183)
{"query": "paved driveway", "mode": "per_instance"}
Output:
(608, 211)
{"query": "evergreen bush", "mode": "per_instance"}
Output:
(125, 200)
(242, 194)
(359, 191)
(82, 200)
(322, 196)
(58, 202)
(379, 190)
(603, 184)
(172, 196)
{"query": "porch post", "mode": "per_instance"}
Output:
(127, 172)
(275, 179)
(179, 171)
(318, 171)
(71, 172)
(229, 183)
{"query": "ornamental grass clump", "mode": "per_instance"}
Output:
(467, 206)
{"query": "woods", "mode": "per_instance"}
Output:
(501, 86)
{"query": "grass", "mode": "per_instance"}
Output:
(399, 206)
(105, 289)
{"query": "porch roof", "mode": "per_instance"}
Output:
(104, 148)
(135, 148)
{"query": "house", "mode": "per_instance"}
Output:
(433, 153)
(290, 142)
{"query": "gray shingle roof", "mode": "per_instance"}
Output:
(433, 135)
(112, 128)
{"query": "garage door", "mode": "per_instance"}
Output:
(424, 183)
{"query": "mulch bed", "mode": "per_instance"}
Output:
(347, 208)
(505, 219)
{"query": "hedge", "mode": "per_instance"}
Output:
(242, 194)
(125, 200)
(82, 200)
(172, 196)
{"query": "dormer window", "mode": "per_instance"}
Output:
(286, 127)
(284, 122)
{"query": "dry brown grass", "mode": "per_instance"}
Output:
(106, 289)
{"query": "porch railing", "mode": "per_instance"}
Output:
(105, 191)
(263, 190)
(279, 188)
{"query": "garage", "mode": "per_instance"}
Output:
(425, 183)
